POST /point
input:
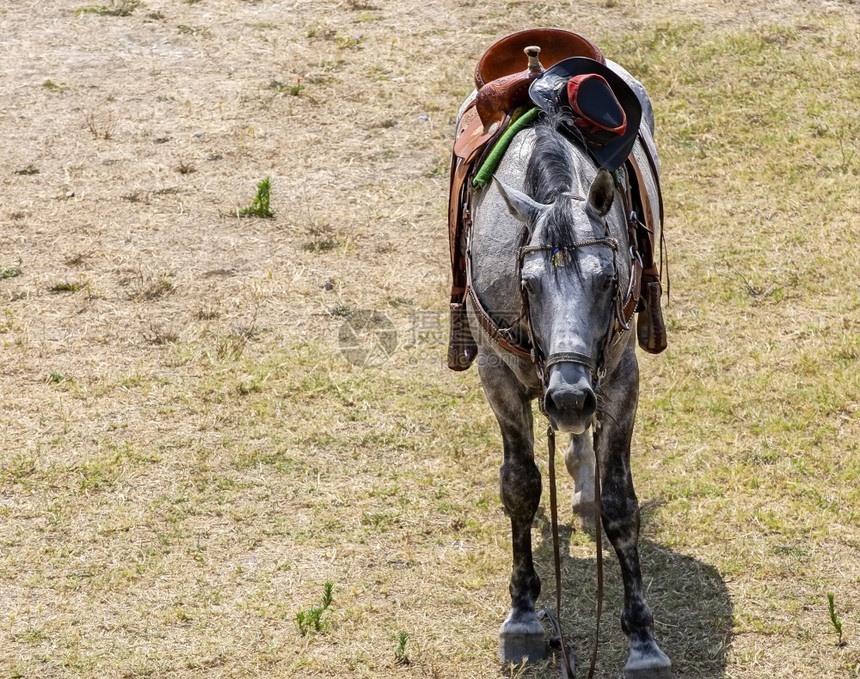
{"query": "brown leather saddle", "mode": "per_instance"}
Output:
(502, 91)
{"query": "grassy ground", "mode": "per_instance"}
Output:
(186, 456)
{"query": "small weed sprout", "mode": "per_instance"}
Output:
(65, 286)
(400, 656)
(311, 620)
(260, 206)
(294, 90)
(834, 619)
(192, 30)
(100, 128)
(9, 272)
(347, 42)
(51, 86)
(298, 88)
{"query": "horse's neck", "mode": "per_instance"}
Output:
(496, 233)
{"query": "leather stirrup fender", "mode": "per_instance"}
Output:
(650, 328)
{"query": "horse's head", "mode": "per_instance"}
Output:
(569, 278)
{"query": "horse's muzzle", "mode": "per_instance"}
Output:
(569, 399)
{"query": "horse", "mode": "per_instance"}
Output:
(550, 259)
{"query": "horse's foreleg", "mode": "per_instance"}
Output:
(579, 460)
(619, 509)
(520, 488)
(521, 634)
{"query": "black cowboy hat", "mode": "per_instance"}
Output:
(604, 109)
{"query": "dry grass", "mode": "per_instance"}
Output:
(186, 457)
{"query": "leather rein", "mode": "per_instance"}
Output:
(625, 306)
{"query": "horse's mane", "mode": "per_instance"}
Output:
(552, 171)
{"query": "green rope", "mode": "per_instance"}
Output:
(485, 174)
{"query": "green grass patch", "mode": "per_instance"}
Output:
(66, 286)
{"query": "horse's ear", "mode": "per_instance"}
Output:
(602, 193)
(523, 207)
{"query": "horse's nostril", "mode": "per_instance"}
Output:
(549, 404)
(590, 403)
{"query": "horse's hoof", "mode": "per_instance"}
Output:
(662, 673)
(582, 504)
(648, 662)
(521, 637)
(583, 514)
(514, 647)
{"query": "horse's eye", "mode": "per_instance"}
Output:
(607, 282)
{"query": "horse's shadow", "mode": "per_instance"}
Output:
(691, 605)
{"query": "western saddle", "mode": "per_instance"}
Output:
(501, 97)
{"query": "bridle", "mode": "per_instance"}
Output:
(505, 336)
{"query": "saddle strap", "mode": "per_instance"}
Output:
(459, 174)
(634, 290)
(648, 228)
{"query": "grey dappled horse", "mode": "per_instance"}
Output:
(550, 197)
